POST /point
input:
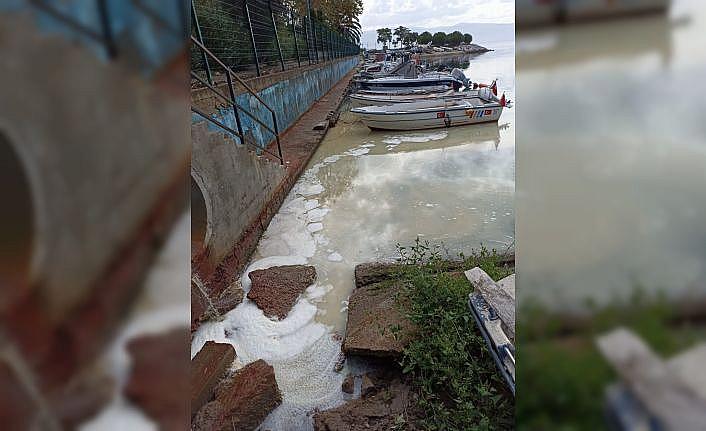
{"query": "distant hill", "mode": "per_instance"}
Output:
(483, 33)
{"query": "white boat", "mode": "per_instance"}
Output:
(372, 98)
(431, 114)
(455, 80)
(359, 100)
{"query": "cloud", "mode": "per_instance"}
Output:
(433, 13)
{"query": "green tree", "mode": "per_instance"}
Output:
(341, 15)
(454, 39)
(400, 33)
(384, 36)
(467, 38)
(424, 38)
(410, 38)
(439, 38)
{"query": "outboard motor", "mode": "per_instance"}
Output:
(458, 74)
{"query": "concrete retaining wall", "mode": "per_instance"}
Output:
(235, 183)
(98, 147)
(289, 93)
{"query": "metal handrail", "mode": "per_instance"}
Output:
(229, 129)
(230, 75)
(104, 36)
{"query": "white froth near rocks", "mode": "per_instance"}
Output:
(335, 257)
(311, 204)
(314, 227)
(316, 215)
(357, 151)
(307, 190)
(307, 381)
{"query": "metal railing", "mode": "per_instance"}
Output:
(230, 100)
(260, 36)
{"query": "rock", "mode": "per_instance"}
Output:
(229, 298)
(367, 385)
(376, 326)
(369, 273)
(275, 290)
(199, 306)
(85, 396)
(321, 125)
(382, 410)
(348, 384)
(159, 377)
(207, 368)
(242, 401)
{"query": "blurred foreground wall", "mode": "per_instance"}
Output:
(93, 138)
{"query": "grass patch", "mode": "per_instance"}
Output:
(451, 370)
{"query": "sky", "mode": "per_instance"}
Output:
(434, 13)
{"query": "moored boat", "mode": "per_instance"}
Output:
(429, 114)
(372, 98)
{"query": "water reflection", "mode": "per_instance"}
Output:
(610, 180)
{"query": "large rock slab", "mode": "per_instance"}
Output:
(159, 377)
(242, 401)
(376, 323)
(385, 406)
(208, 367)
(275, 290)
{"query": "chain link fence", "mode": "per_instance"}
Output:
(257, 37)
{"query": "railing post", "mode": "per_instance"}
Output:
(107, 29)
(294, 32)
(252, 37)
(316, 44)
(279, 147)
(274, 28)
(307, 22)
(204, 57)
(235, 107)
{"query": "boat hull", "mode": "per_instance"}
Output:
(360, 101)
(430, 119)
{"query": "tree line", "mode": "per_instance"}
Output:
(404, 37)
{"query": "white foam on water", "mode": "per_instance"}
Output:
(307, 381)
(332, 159)
(335, 257)
(316, 215)
(307, 189)
(316, 291)
(415, 137)
(311, 204)
(357, 151)
(314, 227)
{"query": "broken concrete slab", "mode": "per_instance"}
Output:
(208, 367)
(381, 408)
(242, 401)
(159, 377)
(275, 290)
(376, 325)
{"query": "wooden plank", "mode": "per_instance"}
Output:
(663, 394)
(500, 299)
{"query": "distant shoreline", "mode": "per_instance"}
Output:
(475, 49)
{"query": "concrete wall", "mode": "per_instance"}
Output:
(98, 146)
(289, 93)
(235, 184)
